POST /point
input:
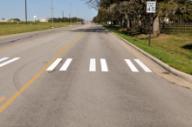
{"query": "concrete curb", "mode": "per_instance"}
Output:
(159, 62)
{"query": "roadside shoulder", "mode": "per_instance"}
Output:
(178, 74)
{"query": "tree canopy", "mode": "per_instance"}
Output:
(131, 14)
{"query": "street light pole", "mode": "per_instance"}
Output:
(26, 17)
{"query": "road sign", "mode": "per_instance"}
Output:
(151, 6)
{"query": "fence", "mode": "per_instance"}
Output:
(187, 28)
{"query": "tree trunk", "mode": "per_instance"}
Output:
(127, 21)
(156, 26)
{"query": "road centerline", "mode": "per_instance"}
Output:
(37, 75)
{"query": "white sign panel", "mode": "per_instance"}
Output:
(151, 6)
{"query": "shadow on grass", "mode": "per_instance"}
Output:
(188, 46)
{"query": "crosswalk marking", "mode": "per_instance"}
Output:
(3, 59)
(131, 65)
(135, 65)
(9, 61)
(92, 66)
(142, 65)
(66, 65)
(104, 67)
(54, 65)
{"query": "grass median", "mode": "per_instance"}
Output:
(14, 28)
(173, 49)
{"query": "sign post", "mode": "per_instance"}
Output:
(151, 9)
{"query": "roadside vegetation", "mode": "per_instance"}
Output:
(171, 27)
(15, 26)
(131, 15)
(173, 49)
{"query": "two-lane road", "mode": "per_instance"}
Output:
(85, 77)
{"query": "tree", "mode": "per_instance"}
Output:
(131, 14)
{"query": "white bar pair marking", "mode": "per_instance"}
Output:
(5, 62)
(57, 62)
(92, 67)
(133, 67)
(103, 62)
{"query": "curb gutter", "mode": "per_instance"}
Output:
(159, 62)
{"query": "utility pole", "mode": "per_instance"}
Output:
(63, 14)
(26, 16)
(69, 18)
(52, 15)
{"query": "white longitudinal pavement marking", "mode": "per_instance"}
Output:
(66, 65)
(131, 65)
(92, 66)
(3, 59)
(142, 65)
(9, 61)
(54, 65)
(104, 67)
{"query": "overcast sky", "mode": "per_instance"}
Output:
(42, 9)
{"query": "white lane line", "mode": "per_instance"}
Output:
(66, 65)
(142, 65)
(3, 59)
(54, 65)
(131, 65)
(92, 66)
(9, 61)
(104, 67)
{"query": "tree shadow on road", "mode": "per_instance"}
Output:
(91, 30)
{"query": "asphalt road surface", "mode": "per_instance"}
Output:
(83, 76)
